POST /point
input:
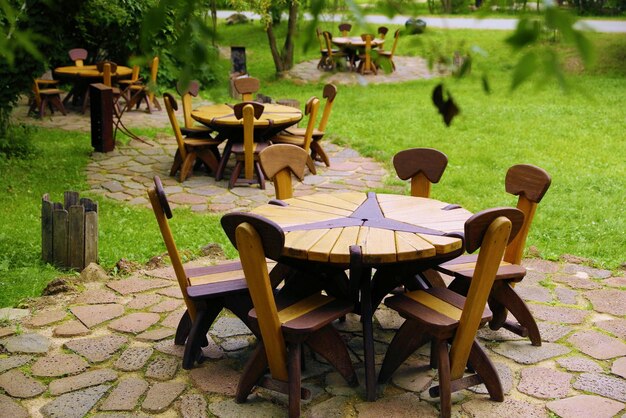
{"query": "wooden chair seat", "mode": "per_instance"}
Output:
(289, 139)
(197, 131)
(45, 94)
(463, 267)
(317, 134)
(247, 152)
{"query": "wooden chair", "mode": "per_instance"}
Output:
(126, 83)
(423, 166)
(304, 141)
(206, 290)
(279, 161)
(189, 149)
(334, 56)
(365, 59)
(247, 152)
(78, 55)
(387, 56)
(329, 93)
(140, 92)
(285, 321)
(109, 68)
(46, 94)
(530, 183)
(323, 49)
(345, 29)
(382, 32)
(246, 86)
(190, 128)
(442, 316)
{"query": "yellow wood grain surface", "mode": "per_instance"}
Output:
(223, 114)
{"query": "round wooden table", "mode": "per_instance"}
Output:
(221, 118)
(392, 233)
(355, 42)
(84, 75)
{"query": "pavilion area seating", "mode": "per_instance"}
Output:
(334, 57)
(345, 29)
(384, 59)
(140, 92)
(443, 317)
(78, 55)
(303, 141)
(46, 94)
(246, 86)
(365, 59)
(423, 166)
(247, 152)
(279, 162)
(530, 183)
(186, 95)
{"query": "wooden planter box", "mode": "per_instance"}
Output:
(69, 231)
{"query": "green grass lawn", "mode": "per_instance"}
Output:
(579, 138)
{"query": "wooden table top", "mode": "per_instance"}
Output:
(90, 71)
(389, 228)
(346, 41)
(223, 115)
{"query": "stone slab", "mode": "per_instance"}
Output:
(156, 334)
(81, 381)
(215, 377)
(551, 332)
(97, 349)
(541, 266)
(534, 293)
(588, 271)
(576, 282)
(603, 385)
(413, 375)
(162, 368)
(544, 383)
(193, 406)
(12, 409)
(167, 305)
(579, 364)
(255, 407)
(142, 301)
(137, 285)
(126, 395)
(615, 326)
(388, 318)
(235, 343)
(580, 407)
(6, 331)
(59, 365)
(597, 345)
(12, 362)
(13, 314)
(399, 406)
(172, 292)
(524, 353)
(46, 317)
(506, 378)
(95, 297)
(26, 343)
(92, 315)
(510, 408)
(173, 319)
(135, 323)
(133, 358)
(335, 407)
(18, 385)
(611, 301)
(168, 347)
(228, 326)
(75, 404)
(619, 367)
(558, 314)
(161, 395)
(72, 328)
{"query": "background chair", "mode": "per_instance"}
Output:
(285, 322)
(45, 94)
(323, 49)
(423, 166)
(303, 141)
(189, 149)
(329, 93)
(385, 58)
(443, 316)
(126, 83)
(530, 183)
(140, 92)
(345, 29)
(334, 56)
(382, 32)
(247, 152)
(190, 127)
(279, 161)
(365, 59)
(246, 86)
(78, 55)
(206, 290)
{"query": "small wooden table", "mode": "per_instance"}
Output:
(221, 118)
(353, 44)
(390, 233)
(84, 75)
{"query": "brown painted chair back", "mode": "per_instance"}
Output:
(186, 96)
(311, 108)
(78, 55)
(248, 111)
(246, 86)
(279, 161)
(329, 93)
(256, 238)
(423, 166)
(530, 183)
(382, 31)
(345, 29)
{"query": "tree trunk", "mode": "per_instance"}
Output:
(283, 60)
(214, 19)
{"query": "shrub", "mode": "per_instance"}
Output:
(16, 142)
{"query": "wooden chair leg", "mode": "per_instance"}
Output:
(433, 278)
(56, 102)
(198, 334)
(182, 331)
(316, 149)
(235, 174)
(327, 342)
(483, 366)
(504, 293)
(177, 163)
(253, 371)
(295, 375)
(444, 389)
(408, 338)
(187, 166)
(208, 158)
(260, 175)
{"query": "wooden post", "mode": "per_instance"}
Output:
(69, 231)
(101, 97)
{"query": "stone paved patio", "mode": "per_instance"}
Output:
(106, 348)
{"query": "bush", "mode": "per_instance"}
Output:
(17, 142)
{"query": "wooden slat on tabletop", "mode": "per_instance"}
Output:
(353, 197)
(411, 246)
(452, 226)
(333, 200)
(413, 214)
(415, 203)
(443, 245)
(318, 207)
(377, 245)
(285, 215)
(341, 251)
(321, 250)
(298, 245)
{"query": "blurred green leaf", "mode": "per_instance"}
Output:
(584, 47)
(526, 33)
(485, 83)
(524, 68)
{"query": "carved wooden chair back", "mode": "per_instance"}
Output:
(423, 166)
(382, 31)
(329, 93)
(246, 86)
(345, 29)
(248, 111)
(78, 55)
(279, 161)
(186, 96)
(171, 106)
(530, 183)
(310, 109)
(328, 39)
(396, 36)
(368, 51)
(154, 70)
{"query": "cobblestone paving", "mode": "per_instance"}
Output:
(124, 363)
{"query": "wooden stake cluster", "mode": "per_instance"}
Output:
(69, 231)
